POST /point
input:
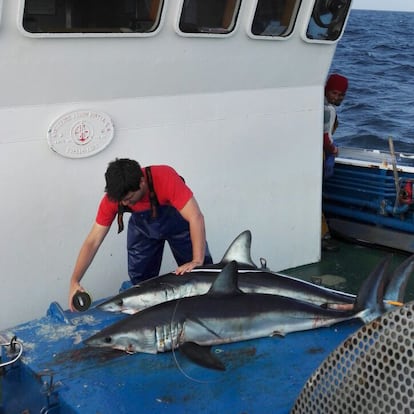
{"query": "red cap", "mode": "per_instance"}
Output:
(336, 82)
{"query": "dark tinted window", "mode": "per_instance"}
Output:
(209, 16)
(91, 16)
(275, 17)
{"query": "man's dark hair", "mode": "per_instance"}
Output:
(122, 176)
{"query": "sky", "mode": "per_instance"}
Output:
(407, 5)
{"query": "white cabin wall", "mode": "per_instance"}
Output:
(247, 139)
(242, 178)
(55, 69)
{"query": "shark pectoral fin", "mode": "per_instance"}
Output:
(277, 333)
(201, 355)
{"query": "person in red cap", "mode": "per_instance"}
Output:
(335, 90)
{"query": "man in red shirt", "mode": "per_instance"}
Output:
(162, 208)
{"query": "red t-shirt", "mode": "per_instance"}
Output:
(169, 188)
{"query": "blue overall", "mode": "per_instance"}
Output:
(328, 165)
(146, 239)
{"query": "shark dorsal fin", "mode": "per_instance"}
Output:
(226, 282)
(239, 251)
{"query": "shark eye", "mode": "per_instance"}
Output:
(108, 339)
(120, 302)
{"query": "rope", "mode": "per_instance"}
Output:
(12, 345)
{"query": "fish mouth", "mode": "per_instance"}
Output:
(129, 349)
(97, 340)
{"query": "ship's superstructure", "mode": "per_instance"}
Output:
(231, 95)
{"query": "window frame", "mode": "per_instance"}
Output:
(20, 15)
(323, 41)
(206, 34)
(293, 22)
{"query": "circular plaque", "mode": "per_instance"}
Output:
(80, 134)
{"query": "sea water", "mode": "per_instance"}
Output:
(376, 54)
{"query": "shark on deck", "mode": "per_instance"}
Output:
(225, 314)
(251, 279)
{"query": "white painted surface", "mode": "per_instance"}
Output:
(240, 119)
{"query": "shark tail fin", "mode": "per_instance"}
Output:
(369, 303)
(240, 251)
(397, 282)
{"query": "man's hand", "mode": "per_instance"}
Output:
(187, 267)
(74, 287)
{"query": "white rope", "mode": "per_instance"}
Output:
(12, 343)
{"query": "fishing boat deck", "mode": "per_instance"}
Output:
(346, 268)
(58, 374)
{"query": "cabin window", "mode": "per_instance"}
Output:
(328, 19)
(91, 16)
(275, 17)
(209, 16)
